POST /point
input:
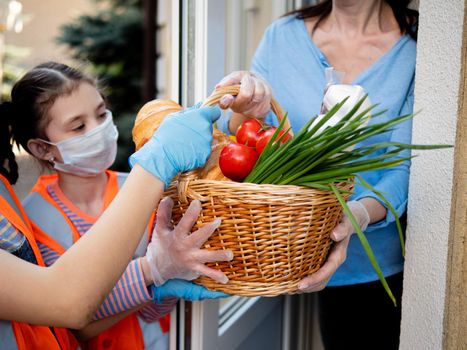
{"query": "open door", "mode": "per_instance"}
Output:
(217, 37)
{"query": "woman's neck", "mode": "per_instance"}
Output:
(87, 193)
(359, 17)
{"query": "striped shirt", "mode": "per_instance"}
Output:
(153, 312)
(14, 242)
(130, 291)
(80, 220)
(10, 238)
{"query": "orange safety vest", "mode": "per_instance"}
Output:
(18, 335)
(55, 230)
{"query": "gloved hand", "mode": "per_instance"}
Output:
(184, 290)
(181, 143)
(254, 98)
(174, 253)
(345, 227)
(341, 235)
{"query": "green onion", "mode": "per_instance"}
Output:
(323, 159)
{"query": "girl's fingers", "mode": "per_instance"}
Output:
(164, 216)
(189, 219)
(206, 256)
(216, 275)
(197, 238)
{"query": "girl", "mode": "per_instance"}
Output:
(76, 136)
(68, 293)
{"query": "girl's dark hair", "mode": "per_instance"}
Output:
(8, 166)
(23, 118)
(405, 17)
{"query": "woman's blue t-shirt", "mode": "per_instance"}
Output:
(295, 67)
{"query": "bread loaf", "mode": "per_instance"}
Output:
(211, 170)
(149, 118)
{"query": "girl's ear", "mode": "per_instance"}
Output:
(40, 149)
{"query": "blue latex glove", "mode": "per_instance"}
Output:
(181, 143)
(183, 290)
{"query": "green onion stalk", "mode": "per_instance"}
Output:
(323, 159)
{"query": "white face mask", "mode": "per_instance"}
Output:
(89, 154)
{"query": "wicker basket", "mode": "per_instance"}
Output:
(278, 234)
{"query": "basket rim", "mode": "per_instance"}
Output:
(248, 193)
(251, 185)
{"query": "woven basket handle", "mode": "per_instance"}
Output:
(234, 90)
(184, 180)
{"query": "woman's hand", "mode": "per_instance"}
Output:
(341, 236)
(175, 253)
(254, 98)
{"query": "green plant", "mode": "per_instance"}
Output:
(12, 71)
(321, 160)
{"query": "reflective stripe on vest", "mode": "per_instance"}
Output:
(154, 337)
(17, 335)
(57, 229)
(48, 219)
(6, 195)
(43, 211)
(7, 337)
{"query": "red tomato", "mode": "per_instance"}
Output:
(236, 161)
(248, 132)
(266, 136)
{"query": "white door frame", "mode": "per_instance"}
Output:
(200, 29)
(204, 47)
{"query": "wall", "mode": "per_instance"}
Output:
(431, 181)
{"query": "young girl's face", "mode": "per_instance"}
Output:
(81, 138)
(75, 114)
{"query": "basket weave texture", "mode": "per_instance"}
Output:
(278, 234)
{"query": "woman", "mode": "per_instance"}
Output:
(373, 43)
(68, 293)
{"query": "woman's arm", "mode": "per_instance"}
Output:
(68, 293)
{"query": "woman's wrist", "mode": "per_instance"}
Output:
(375, 209)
